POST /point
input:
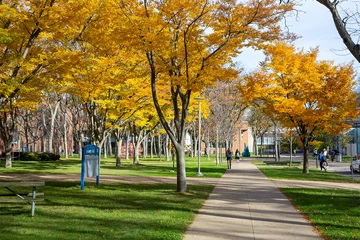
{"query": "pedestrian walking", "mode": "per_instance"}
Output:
(315, 152)
(332, 155)
(237, 155)
(228, 158)
(326, 156)
(322, 159)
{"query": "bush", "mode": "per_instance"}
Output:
(34, 156)
(49, 157)
(29, 156)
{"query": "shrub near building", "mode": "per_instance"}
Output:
(34, 156)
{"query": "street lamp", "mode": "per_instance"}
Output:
(199, 99)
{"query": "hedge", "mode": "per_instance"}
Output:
(35, 156)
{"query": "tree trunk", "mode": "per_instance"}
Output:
(146, 145)
(7, 126)
(181, 170)
(305, 142)
(35, 145)
(159, 146)
(80, 149)
(110, 146)
(256, 152)
(221, 152)
(276, 143)
(208, 145)
(8, 149)
(127, 146)
(118, 152)
(105, 148)
(44, 131)
(217, 146)
(167, 148)
(65, 137)
(100, 145)
(196, 147)
(291, 139)
(52, 125)
(136, 146)
(152, 146)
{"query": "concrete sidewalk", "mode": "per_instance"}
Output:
(247, 205)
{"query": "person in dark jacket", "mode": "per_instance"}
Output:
(322, 160)
(237, 155)
(228, 158)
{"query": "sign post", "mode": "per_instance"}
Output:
(90, 164)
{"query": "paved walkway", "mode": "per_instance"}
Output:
(247, 205)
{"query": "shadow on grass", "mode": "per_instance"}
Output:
(42, 165)
(294, 173)
(168, 170)
(334, 212)
(107, 211)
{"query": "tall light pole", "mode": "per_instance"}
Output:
(199, 99)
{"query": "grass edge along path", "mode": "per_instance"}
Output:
(107, 211)
(147, 167)
(334, 212)
(295, 173)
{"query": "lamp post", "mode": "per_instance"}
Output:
(199, 99)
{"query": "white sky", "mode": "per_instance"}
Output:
(316, 28)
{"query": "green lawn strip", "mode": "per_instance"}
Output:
(294, 173)
(107, 211)
(147, 167)
(334, 212)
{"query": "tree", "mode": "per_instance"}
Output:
(344, 25)
(34, 39)
(188, 45)
(289, 138)
(142, 124)
(21, 25)
(226, 108)
(344, 22)
(260, 124)
(304, 94)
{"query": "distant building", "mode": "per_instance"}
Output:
(243, 136)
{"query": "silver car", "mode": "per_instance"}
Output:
(356, 164)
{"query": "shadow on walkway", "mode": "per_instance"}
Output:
(247, 205)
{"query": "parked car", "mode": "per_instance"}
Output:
(356, 164)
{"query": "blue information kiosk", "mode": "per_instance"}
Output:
(90, 164)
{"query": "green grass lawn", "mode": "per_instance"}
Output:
(334, 212)
(147, 167)
(110, 210)
(295, 173)
(107, 211)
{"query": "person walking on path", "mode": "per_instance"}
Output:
(228, 158)
(237, 155)
(325, 157)
(322, 160)
(332, 155)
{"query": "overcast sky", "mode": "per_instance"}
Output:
(316, 28)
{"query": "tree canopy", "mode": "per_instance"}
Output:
(303, 93)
